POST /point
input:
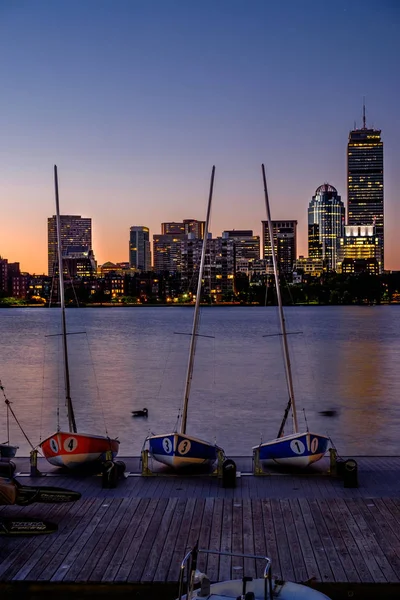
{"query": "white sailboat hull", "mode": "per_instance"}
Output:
(296, 450)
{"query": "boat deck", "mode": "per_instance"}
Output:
(308, 524)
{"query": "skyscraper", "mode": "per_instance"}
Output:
(326, 214)
(75, 231)
(285, 244)
(365, 180)
(139, 248)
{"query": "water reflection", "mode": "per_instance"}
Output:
(347, 359)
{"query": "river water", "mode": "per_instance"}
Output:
(345, 359)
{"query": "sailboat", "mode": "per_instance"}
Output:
(70, 448)
(178, 449)
(299, 448)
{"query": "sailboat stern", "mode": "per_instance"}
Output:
(296, 450)
(72, 450)
(178, 451)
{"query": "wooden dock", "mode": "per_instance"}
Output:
(134, 536)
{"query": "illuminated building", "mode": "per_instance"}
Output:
(139, 248)
(365, 180)
(75, 231)
(78, 261)
(187, 226)
(285, 244)
(219, 262)
(167, 252)
(326, 215)
(309, 266)
(360, 250)
(245, 245)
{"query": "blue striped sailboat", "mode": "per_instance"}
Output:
(298, 449)
(178, 449)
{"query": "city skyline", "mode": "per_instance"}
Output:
(135, 105)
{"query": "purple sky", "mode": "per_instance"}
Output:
(136, 100)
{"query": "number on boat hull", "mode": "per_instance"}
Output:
(297, 447)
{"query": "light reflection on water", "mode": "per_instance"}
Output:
(347, 359)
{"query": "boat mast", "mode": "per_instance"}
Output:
(70, 410)
(288, 369)
(192, 349)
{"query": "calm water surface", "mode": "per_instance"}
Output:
(346, 359)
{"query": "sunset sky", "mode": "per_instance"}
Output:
(135, 100)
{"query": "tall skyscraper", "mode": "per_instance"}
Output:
(285, 244)
(365, 180)
(75, 231)
(139, 248)
(245, 244)
(326, 215)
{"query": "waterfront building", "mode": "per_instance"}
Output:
(365, 190)
(326, 215)
(184, 228)
(360, 250)
(79, 262)
(218, 277)
(75, 231)
(139, 248)
(3, 274)
(308, 266)
(245, 245)
(167, 252)
(285, 244)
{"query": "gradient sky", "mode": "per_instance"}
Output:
(135, 100)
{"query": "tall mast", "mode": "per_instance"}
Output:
(192, 349)
(364, 118)
(70, 410)
(288, 369)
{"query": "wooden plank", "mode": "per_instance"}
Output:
(225, 562)
(237, 539)
(258, 535)
(129, 546)
(294, 546)
(215, 540)
(306, 547)
(162, 537)
(93, 542)
(249, 565)
(285, 557)
(205, 533)
(149, 539)
(192, 517)
(21, 549)
(371, 541)
(271, 544)
(362, 543)
(101, 541)
(113, 548)
(322, 559)
(357, 557)
(177, 527)
(327, 542)
(99, 509)
(39, 559)
(339, 544)
(384, 536)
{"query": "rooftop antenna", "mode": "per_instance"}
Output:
(364, 125)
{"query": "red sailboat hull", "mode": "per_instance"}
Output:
(66, 449)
